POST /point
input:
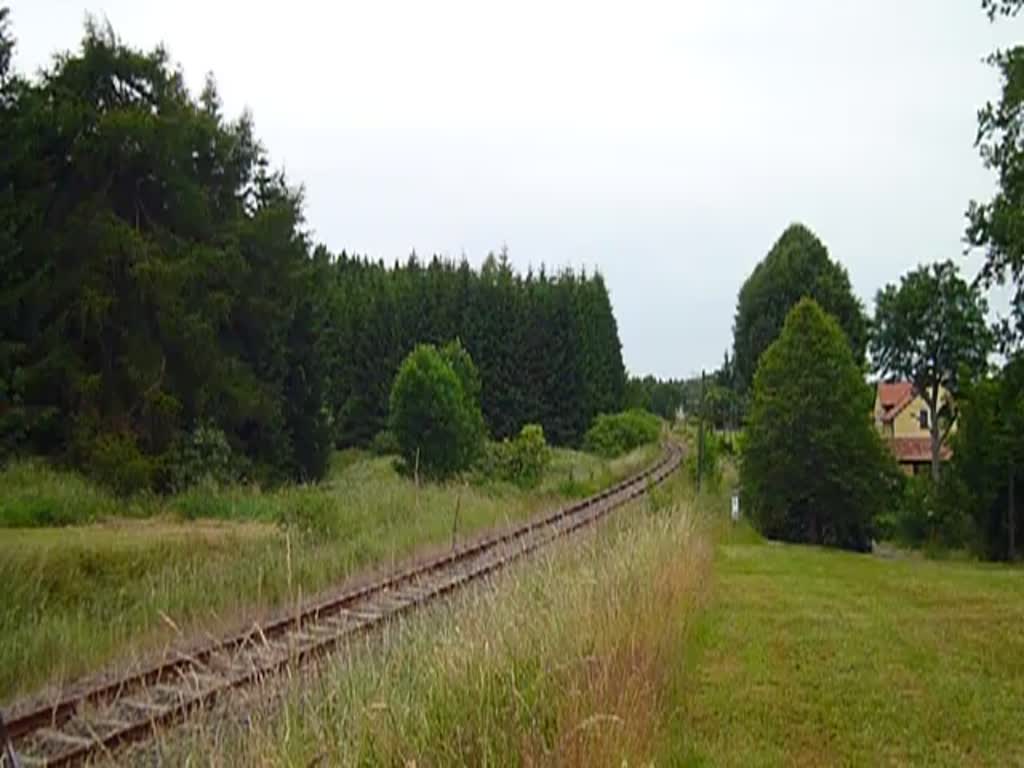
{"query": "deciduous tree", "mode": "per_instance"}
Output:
(930, 330)
(988, 461)
(997, 226)
(431, 415)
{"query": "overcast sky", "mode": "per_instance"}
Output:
(665, 144)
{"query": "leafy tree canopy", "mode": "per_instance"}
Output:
(988, 446)
(6, 44)
(813, 468)
(988, 455)
(930, 330)
(473, 425)
(663, 398)
(798, 265)
(1002, 7)
(433, 419)
(613, 434)
(997, 226)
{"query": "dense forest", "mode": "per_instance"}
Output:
(157, 285)
(547, 347)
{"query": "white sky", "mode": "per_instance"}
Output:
(667, 144)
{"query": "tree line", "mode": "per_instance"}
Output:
(157, 281)
(546, 346)
(812, 467)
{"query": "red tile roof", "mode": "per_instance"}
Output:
(911, 450)
(894, 396)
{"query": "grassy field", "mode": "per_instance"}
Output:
(147, 572)
(668, 638)
(814, 657)
(563, 661)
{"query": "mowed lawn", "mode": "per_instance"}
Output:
(813, 657)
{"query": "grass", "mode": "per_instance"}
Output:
(34, 494)
(815, 657)
(668, 638)
(560, 661)
(79, 596)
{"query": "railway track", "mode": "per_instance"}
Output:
(96, 721)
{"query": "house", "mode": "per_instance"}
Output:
(902, 418)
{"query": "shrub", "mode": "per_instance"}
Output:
(711, 471)
(34, 493)
(469, 379)
(813, 468)
(114, 459)
(924, 514)
(987, 446)
(202, 457)
(910, 519)
(385, 443)
(615, 434)
(437, 426)
(522, 460)
(310, 514)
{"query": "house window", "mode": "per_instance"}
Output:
(923, 418)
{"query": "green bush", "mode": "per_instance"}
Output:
(522, 460)
(988, 442)
(33, 493)
(469, 378)
(202, 457)
(114, 460)
(926, 515)
(614, 434)
(385, 443)
(311, 514)
(711, 471)
(438, 427)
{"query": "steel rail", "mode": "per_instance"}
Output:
(101, 718)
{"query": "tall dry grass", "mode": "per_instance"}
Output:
(116, 592)
(564, 660)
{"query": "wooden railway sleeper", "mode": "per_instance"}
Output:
(252, 655)
(66, 739)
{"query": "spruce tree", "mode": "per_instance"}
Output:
(813, 467)
(798, 265)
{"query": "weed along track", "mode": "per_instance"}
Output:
(95, 721)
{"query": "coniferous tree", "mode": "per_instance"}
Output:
(829, 481)
(157, 283)
(798, 265)
(149, 280)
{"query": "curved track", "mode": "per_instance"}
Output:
(97, 720)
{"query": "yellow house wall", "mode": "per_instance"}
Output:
(907, 422)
